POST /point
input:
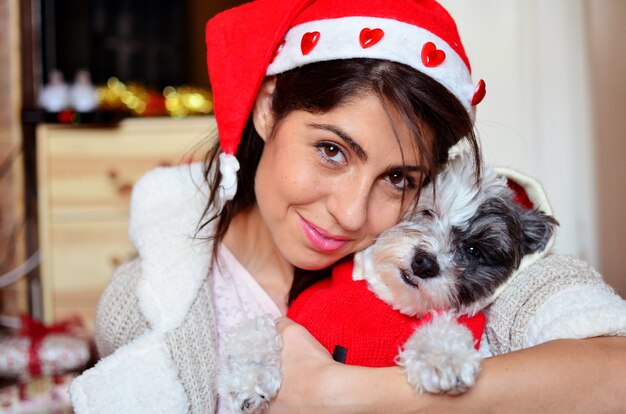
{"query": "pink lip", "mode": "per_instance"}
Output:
(322, 240)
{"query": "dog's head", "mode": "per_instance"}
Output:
(463, 241)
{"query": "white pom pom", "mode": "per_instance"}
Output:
(228, 168)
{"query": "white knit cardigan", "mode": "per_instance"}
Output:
(155, 327)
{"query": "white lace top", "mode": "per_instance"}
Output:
(237, 297)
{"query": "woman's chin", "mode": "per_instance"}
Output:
(313, 261)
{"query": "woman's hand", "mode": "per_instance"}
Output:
(306, 365)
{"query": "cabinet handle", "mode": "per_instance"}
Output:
(185, 161)
(122, 187)
(117, 260)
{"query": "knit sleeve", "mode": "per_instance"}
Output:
(556, 297)
(118, 318)
(192, 346)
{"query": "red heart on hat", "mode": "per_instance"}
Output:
(479, 93)
(369, 37)
(309, 40)
(431, 56)
(277, 50)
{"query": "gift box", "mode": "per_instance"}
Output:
(41, 395)
(38, 349)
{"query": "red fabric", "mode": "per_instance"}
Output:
(520, 196)
(37, 331)
(341, 311)
(241, 43)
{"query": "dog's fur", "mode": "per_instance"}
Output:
(452, 253)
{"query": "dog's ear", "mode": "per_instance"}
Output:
(538, 228)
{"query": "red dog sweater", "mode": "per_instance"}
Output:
(344, 312)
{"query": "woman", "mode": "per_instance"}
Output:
(332, 114)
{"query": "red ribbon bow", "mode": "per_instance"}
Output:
(37, 331)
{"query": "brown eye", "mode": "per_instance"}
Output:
(331, 151)
(396, 178)
(400, 181)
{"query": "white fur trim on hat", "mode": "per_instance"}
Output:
(402, 42)
(228, 168)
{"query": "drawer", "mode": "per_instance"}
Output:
(88, 171)
(80, 259)
(87, 314)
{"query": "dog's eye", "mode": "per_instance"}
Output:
(427, 213)
(474, 251)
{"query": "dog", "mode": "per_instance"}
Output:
(450, 255)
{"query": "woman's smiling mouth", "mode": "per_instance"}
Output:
(322, 240)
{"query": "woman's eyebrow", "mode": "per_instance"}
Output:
(358, 150)
(408, 168)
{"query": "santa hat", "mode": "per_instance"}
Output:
(267, 37)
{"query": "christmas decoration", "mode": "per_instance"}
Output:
(39, 349)
(46, 394)
(141, 101)
(83, 96)
(55, 95)
(186, 100)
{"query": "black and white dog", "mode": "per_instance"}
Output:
(453, 253)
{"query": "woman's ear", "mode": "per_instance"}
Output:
(262, 110)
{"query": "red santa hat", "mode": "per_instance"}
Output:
(267, 37)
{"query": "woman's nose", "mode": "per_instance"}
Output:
(349, 204)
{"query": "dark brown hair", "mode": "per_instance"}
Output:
(421, 102)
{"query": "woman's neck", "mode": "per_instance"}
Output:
(250, 241)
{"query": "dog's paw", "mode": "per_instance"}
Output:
(440, 357)
(249, 366)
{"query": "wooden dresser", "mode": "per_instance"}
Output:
(85, 176)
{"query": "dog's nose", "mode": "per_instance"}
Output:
(424, 265)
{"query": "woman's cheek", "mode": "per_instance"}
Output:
(306, 183)
(385, 210)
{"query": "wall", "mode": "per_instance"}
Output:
(607, 65)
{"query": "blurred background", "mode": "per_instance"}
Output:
(555, 74)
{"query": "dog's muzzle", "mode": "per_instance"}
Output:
(423, 266)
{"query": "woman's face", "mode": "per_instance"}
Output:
(328, 184)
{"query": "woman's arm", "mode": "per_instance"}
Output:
(556, 297)
(562, 376)
(118, 318)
